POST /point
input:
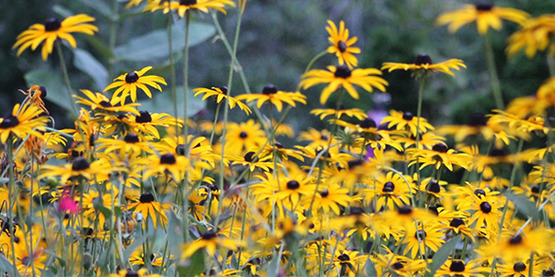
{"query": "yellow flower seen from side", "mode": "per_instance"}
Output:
(184, 6)
(343, 77)
(51, 30)
(24, 120)
(424, 64)
(485, 15)
(274, 97)
(221, 93)
(536, 35)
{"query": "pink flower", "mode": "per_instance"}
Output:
(67, 205)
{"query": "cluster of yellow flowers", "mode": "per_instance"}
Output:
(128, 192)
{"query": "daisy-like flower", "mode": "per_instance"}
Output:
(80, 167)
(35, 96)
(341, 44)
(519, 269)
(484, 209)
(323, 113)
(128, 84)
(407, 121)
(440, 155)
(485, 14)
(167, 163)
(221, 94)
(460, 268)
(53, 29)
(150, 208)
(99, 102)
(184, 6)
(246, 135)
(343, 76)
(275, 97)
(330, 198)
(210, 241)
(391, 190)
(426, 236)
(423, 66)
(24, 120)
(395, 265)
(535, 35)
(253, 162)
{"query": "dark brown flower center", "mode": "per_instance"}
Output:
(180, 149)
(9, 122)
(209, 235)
(52, 24)
(548, 272)
(479, 192)
(342, 71)
(144, 117)
(408, 116)
(477, 120)
(146, 198)
(354, 163)
(456, 222)
(433, 186)
(356, 211)
(457, 266)
(420, 234)
(422, 59)
(341, 46)
(485, 207)
(26, 261)
(131, 77)
(269, 89)
(368, 123)
(79, 164)
(131, 138)
(497, 152)
(43, 92)
(131, 273)
(343, 257)
(168, 158)
(324, 193)
(440, 147)
(105, 104)
(388, 187)
(249, 157)
(484, 6)
(223, 89)
(519, 267)
(516, 240)
(293, 184)
(406, 209)
(243, 135)
(397, 266)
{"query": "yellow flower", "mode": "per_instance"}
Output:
(24, 120)
(485, 15)
(80, 167)
(342, 45)
(98, 101)
(460, 268)
(221, 93)
(342, 76)
(274, 96)
(51, 30)
(424, 64)
(127, 84)
(408, 122)
(183, 6)
(535, 35)
(210, 241)
(150, 208)
(244, 136)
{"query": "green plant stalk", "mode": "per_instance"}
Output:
(495, 84)
(11, 185)
(551, 63)
(186, 75)
(173, 89)
(418, 119)
(226, 115)
(66, 77)
(114, 20)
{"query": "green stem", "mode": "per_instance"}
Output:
(66, 77)
(418, 119)
(495, 84)
(186, 75)
(114, 19)
(317, 57)
(550, 63)
(11, 197)
(172, 74)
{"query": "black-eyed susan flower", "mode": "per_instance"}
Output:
(519, 269)
(24, 120)
(143, 272)
(535, 35)
(275, 97)
(408, 122)
(341, 44)
(439, 156)
(246, 135)
(485, 14)
(150, 209)
(484, 210)
(423, 66)
(396, 265)
(167, 163)
(390, 191)
(456, 267)
(221, 93)
(79, 167)
(343, 77)
(183, 6)
(53, 29)
(323, 113)
(347, 262)
(330, 198)
(253, 162)
(99, 102)
(129, 146)
(128, 84)
(35, 96)
(210, 241)
(147, 123)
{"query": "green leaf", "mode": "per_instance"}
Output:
(154, 45)
(6, 266)
(53, 83)
(98, 6)
(99, 45)
(163, 102)
(369, 268)
(175, 240)
(524, 205)
(194, 265)
(85, 62)
(443, 253)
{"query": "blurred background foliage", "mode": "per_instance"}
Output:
(278, 39)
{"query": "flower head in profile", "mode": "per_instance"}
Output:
(221, 93)
(128, 84)
(24, 120)
(100, 103)
(536, 35)
(53, 29)
(485, 14)
(423, 65)
(210, 241)
(274, 96)
(343, 77)
(184, 6)
(342, 45)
